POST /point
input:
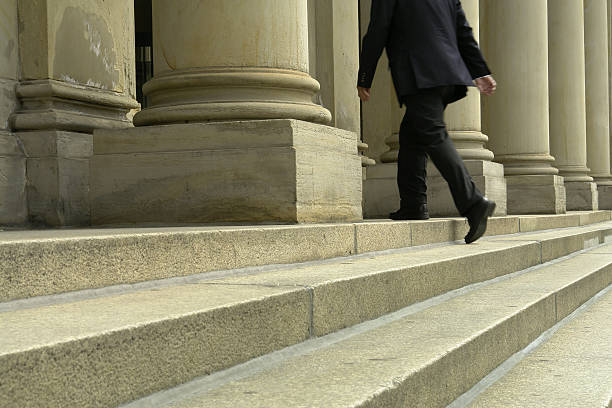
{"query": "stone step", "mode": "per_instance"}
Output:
(420, 357)
(572, 368)
(38, 263)
(109, 346)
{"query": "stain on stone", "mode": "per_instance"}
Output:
(85, 50)
(10, 48)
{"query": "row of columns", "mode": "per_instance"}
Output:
(549, 123)
(232, 60)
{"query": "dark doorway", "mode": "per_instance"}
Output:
(144, 46)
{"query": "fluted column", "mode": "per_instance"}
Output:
(230, 60)
(514, 37)
(598, 93)
(567, 101)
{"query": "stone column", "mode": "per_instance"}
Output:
(77, 74)
(514, 37)
(567, 101)
(382, 117)
(12, 161)
(244, 66)
(463, 120)
(337, 60)
(230, 60)
(597, 95)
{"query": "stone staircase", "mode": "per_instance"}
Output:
(372, 314)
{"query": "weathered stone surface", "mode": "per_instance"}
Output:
(488, 177)
(581, 196)
(559, 373)
(592, 217)
(605, 197)
(12, 181)
(380, 193)
(382, 235)
(9, 48)
(539, 194)
(401, 363)
(542, 222)
(58, 177)
(57, 93)
(39, 263)
(8, 102)
(352, 291)
(102, 352)
(279, 170)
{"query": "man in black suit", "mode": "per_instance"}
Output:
(433, 57)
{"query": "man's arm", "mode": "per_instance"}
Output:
(375, 40)
(468, 47)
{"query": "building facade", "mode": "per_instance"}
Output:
(121, 112)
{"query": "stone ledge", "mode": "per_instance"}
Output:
(48, 262)
(250, 171)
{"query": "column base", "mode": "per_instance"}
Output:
(380, 193)
(540, 194)
(12, 181)
(49, 104)
(581, 196)
(251, 171)
(58, 177)
(488, 177)
(605, 197)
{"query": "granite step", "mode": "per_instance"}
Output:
(419, 357)
(39, 263)
(104, 347)
(571, 368)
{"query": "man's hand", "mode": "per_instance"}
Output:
(486, 85)
(364, 93)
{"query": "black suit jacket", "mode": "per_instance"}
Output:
(429, 43)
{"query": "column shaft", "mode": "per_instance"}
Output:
(514, 38)
(230, 60)
(597, 90)
(567, 101)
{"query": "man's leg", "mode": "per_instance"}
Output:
(425, 119)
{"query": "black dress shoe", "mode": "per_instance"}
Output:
(477, 218)
(419, 213)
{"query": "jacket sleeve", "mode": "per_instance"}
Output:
(375, 40)
(468, 47)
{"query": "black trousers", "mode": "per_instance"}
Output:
(423, 133)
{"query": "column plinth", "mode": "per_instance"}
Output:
(226, 137)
